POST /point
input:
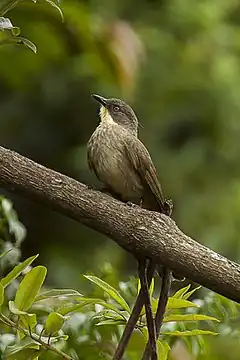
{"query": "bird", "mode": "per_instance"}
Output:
(122, 162)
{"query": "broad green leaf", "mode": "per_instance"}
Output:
(163, 349)
(189, 333)
(179, 294)
(111, 291)
(14, 309)
(53, 323)
(189, 317)
(24, 354)
(1, 294)
(188, 294)
(56, 293)
(27, 319)
(29, 287)
(179, 304)
(16, 271)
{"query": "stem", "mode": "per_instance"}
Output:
(162, 304)
(35, 337)
(132, 321)
(7, 5)
(148, 308)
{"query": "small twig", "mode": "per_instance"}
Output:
(148, 308)
(132, 321)
(161, 308)
(35, 337)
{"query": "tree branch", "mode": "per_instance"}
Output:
(141, 232)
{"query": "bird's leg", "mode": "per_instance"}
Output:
(148, 308)
(161, 308)
(134, 316)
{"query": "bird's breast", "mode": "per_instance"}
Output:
(107, 154)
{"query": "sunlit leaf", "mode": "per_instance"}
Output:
(26, 352)
(189, 293)
(189, 333)
(189, 317)
(16, 271)
(179, 294)
(111, 322)
(29, 287)
(179, 304)
(111, 291)
(54, 323)
(56, 293)
(163, 349)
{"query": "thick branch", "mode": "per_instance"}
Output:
(141, 232)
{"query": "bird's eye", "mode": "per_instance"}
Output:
(116, 108)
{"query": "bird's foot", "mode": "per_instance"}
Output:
(131, 204)
(168, 207)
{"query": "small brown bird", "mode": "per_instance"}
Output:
(120, 160)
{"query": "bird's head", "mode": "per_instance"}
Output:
(117, 111)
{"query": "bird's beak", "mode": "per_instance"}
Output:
(100, 99)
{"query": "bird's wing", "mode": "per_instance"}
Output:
(141, 161)
(91, 164)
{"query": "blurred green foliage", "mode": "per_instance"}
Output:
(177, 63)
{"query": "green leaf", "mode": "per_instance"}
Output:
(188, 294)
(27, 319)
(190, 333)
(1, 294)
(88, 301)
(56, 293)
(16, 271)
(179, 294)
(29, 287)
(111, 291)
(189, 317)
(53, 323)
(26, 352)
(5, 253)
(52, 3)
(111, 322)
(163, 349)
(179, 304)
(20, 40)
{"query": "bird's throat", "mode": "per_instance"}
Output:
(105, 116)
